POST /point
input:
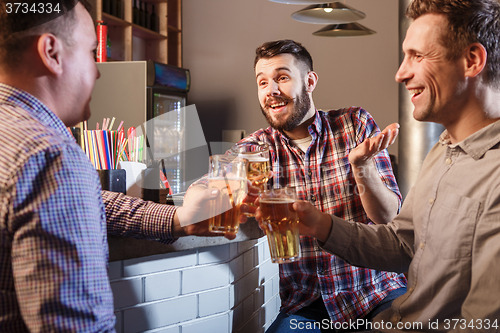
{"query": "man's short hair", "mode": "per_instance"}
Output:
(470, 21)
(22, 24)
(284, 46)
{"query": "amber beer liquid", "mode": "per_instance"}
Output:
(229, 175)
(257, 155)
(282, 229)
(225, 209)
(257, 173)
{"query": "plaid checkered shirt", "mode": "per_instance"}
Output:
(323, 176)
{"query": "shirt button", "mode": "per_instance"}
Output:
(431, 201)
(448, 161)
(422, 245)
(309, 173)
(313, 198)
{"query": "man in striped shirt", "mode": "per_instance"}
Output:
(337, 160)
(53, 220)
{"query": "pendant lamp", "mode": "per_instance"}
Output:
(344, 30)
(328, 13)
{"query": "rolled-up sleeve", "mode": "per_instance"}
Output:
(134, 217)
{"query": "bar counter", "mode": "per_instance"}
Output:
(196, 284)
(122, 248)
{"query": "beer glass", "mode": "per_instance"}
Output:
(258, 170)
(228, 174)
(280, 223)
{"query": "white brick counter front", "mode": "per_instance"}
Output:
(232, 287)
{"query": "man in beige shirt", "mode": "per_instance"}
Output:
(447, 236)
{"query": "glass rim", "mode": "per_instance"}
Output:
(290, 191)
(227, 158)
(262, 146)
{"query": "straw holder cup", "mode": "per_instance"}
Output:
(113, 180)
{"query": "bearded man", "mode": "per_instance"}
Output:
(338, 161)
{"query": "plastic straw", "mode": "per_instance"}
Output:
(105, 148)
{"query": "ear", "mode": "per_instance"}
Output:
(475, 59)
(49, 49)
(311, 81)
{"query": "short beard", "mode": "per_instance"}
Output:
(301, 108)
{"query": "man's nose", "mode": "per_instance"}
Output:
(403, 73)
(273, 88)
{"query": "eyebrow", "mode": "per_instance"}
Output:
(277, 70)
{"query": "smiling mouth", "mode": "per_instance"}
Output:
(274, 106)
(415, 92)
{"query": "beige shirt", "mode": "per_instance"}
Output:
(447, 237)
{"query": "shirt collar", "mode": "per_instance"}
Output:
(28, 102)
(478, 143)
(317, 126)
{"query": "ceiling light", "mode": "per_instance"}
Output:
(344, 30)
(328, 13)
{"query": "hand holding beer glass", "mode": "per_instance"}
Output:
(281, 223)
(227, 174)
(258, 170)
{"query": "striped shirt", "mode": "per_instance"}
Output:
(323, 176)
(53, 243)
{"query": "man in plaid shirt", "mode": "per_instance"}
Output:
(338, 161)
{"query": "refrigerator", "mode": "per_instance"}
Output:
(152, 98)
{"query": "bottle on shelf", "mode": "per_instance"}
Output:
(106, 6)
(119, 9)
(135, 13)
(144, 14)
(147, 17)
(102, 36)
(153, 25)
(108, 48)
(112, 7)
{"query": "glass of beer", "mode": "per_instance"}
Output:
(228, 174)
(257, 154)
(280, 223)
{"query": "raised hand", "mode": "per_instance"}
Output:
(365, 151)
(194, 214)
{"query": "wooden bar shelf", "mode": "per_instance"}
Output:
(161, 42)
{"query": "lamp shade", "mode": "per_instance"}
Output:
(328, 13)
(299, 2)
(344, 30)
